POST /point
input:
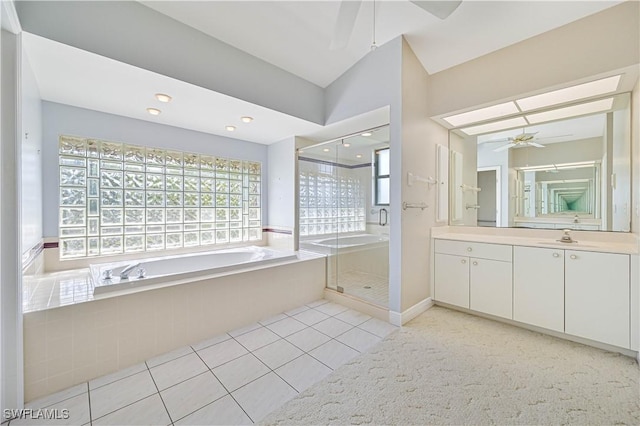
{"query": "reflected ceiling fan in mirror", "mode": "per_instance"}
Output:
(519, 141)
(349, 9)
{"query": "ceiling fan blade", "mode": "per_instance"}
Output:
(537, 145)
(439, 9)
(555, 136)
(344, 23)
(504, 147)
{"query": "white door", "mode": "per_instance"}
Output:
(452, 279)
(597, 296)
(538, 287)
(491, 287)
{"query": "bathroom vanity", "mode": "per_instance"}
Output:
(586, 289)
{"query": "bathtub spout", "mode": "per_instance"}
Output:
(124, 275)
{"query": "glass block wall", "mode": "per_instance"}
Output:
(118, 198)
(331, 202)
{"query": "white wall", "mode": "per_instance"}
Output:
(621, 197)
(469, 150)
(487, 157)
(132, 33)
(61, 119)
(281, 186)
(31, 159)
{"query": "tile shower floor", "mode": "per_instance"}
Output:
(234, 378)
(369, 287)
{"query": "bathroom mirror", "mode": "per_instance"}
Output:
(572, 172)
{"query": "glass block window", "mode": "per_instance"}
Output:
(117, 198)
(331, 204)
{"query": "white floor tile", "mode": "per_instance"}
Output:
(57, 397)
(277, 353)
(303, 372)
(116, 395)
(353, 317)
(308, 339)
(149, 411)
(332, 327)
(178, 370)
(222, 352)
(240, 371)
(264, 395)
(358, 339)
(296, 311)
(317, 303)
(310, 317)
(331, 308)
(78, 410)
(333, 354)
(243, 330)
(187, 397)
(211, 342)
(286, 326)
(121, 374)
(378, 327)
(272, 319)
(257, 338)
(169, 356)
(224, 411)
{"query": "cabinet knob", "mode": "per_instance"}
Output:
(469, 249)
(573, 256)
(556, 254)
(463, 261)
(475, 263)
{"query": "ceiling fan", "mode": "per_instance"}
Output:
(349, 12)
(518, 141)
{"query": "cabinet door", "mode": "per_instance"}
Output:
(538, 287)
(452, 279)
(491, 288)
(597, 296)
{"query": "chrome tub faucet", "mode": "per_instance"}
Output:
(124, 275)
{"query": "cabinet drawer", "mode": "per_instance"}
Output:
(478, 250)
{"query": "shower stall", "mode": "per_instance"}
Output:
(344, 211)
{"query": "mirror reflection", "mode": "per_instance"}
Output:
(567, 173)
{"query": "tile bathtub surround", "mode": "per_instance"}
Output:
(71, 344)
(236, 377)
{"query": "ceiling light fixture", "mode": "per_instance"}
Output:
(163, 97)
(153, 111)
(495, 126)
(326, 150)
(366, 134)
(246, 119)
(573, 93)
(482, 114)
(346, 145)
(572, 111)
(230, 128)
(359, 156)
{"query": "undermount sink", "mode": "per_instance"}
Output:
(567, 245)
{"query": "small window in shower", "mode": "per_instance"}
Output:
(382, 177)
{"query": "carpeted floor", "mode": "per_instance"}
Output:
(447, 367)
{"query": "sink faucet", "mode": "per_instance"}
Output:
(124, 275)
(566, 237)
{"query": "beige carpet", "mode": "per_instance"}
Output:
(446, 367)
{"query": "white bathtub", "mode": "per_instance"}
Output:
(173, 268)
(344, 241)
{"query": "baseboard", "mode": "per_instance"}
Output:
(397, 318)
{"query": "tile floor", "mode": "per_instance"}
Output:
(362, 285)
(235, 378)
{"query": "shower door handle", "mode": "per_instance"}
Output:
(381, 221)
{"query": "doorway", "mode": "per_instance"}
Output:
(489, 197)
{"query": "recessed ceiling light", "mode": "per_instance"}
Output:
(572, 111)
(153, 111)
(482, 114)
(366, 134)
(230, 128)
(163, 98)
(359, 156)
(495, 126)
(573, 93)
(346, 145)
(246, 119)
(326, 150)
(300, 151)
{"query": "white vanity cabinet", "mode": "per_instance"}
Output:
(538, 287)
(476, 276)
(597, 296)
